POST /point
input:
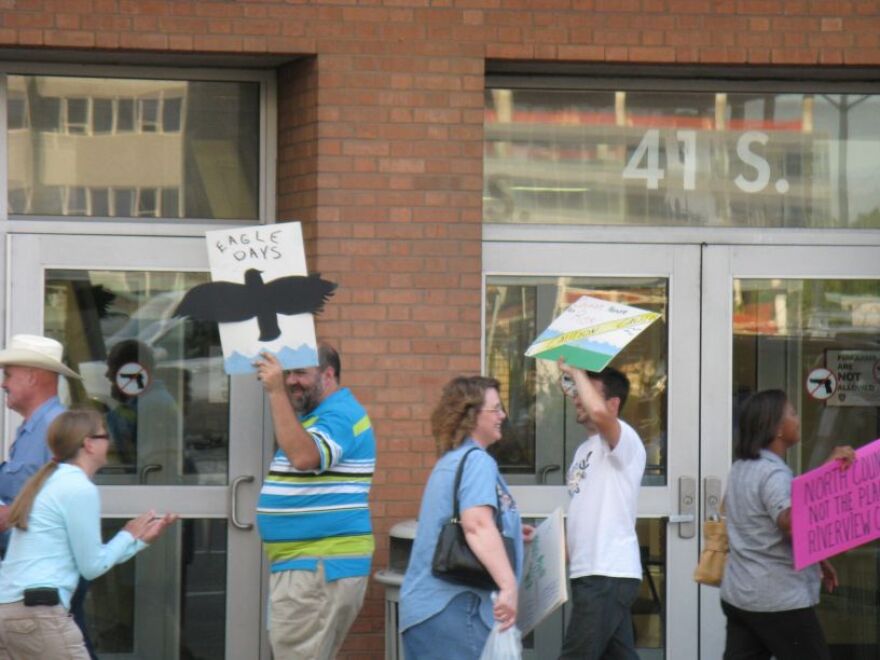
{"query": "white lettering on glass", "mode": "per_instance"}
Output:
(749, 157)
(651, 173)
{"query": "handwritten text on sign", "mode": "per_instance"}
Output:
(834, 510)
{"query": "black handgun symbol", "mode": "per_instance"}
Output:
(824, 381)
(137, 376)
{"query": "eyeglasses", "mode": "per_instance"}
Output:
(568, 386)
(498, 410)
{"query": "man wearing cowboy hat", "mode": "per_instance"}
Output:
(31, 365)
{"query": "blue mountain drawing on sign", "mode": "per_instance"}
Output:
(290, 358)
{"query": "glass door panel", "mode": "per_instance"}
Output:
(194, 615)
(158, 378)
(518, 308)
(183, 436)
(791, 313)
(526, 286)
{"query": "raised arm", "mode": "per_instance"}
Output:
(601, 411)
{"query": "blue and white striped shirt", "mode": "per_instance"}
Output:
(323, 515)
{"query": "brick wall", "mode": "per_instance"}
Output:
(379, 153)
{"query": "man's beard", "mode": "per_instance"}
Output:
(308, 399)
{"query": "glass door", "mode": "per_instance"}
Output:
(805, 320)
(185, 437)
(528, 284)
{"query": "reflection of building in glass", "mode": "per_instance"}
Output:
(594, 157)
(102, 147)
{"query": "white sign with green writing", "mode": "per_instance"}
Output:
(591, 332)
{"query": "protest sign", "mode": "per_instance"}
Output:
(591, 332)
(543, 586)
(833, 510)
(261, 296)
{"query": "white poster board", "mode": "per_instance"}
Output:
(544, 584)
(591, 332)
(274, 252)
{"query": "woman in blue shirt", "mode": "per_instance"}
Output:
(441, 619)
(56, 537)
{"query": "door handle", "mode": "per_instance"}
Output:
(145, 471)
(686, 518)
(544, 471)
(712, 495)
(233, 501)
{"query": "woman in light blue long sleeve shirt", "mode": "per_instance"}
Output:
(56, 537)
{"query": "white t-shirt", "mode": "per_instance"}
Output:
(604, 490)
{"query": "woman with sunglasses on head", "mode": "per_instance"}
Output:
(56, 537)
(770, 607)
(439, 618)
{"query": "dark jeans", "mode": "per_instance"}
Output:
(601, 619)
(787, 635)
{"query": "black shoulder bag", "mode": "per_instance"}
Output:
(454, 561)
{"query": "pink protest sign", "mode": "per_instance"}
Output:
(833, 510)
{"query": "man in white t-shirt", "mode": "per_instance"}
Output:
(605, 567)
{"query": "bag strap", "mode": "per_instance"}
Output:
(458, 472)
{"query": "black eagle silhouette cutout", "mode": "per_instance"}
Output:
(229, 302)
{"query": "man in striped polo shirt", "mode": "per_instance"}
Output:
(313, 512)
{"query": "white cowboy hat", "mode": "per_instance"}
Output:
(38, 352)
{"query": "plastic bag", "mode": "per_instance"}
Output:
(503, 644)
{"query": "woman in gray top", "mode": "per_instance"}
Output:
(770, 607)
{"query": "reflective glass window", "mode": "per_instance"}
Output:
(605, 157)
(540, 434)
(158, 379)
(102, 116)
(132, 612)
(198, 138)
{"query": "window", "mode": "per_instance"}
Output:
(124, 115)
(102, 116)
(100, 200)
(123, 201)
(161, 137)
(76, 201)
(540, 435)
(17, 112)
(147, 203)
(77, 119)
(148, 114)
(630, 157)
(171, 111)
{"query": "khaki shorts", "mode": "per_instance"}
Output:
(39, 632)
(310, 617)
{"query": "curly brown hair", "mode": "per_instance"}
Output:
(455, 415)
